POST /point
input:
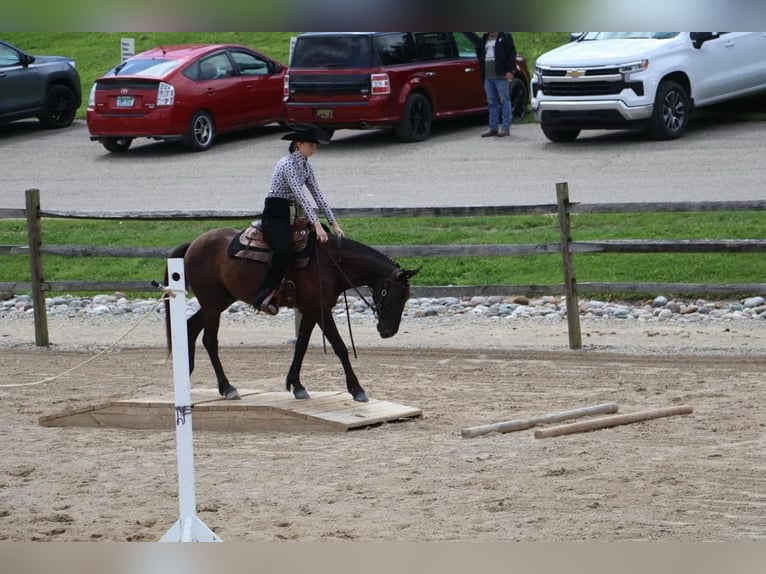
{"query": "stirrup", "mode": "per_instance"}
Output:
(269, 306)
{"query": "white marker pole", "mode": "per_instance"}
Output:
(188, 528)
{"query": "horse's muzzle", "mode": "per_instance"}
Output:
(387, 331)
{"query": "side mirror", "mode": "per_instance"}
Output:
(574, 36)
(699, 38)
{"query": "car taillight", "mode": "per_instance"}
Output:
(166, 94)
(380, 84)
(92, 97)
(286, 86)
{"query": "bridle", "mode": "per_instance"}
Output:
(377, 306)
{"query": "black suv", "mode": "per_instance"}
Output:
(403, 80)
(43, 87)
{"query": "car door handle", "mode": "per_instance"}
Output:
(210, 91)
(729, 44)
(430, 74)
(469, 70)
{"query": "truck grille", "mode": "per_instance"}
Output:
(559, 88)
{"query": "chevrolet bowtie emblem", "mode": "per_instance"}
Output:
(575, 73)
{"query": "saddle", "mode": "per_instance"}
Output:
(251, 244)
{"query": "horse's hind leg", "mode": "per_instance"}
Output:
(212, 320)
(193, 328)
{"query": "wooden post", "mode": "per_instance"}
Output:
(612, 421)
(570, 283)
(34, 239)
(523, 424)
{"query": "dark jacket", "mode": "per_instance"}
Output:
(505, 54)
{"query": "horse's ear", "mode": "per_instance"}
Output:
(410, 273)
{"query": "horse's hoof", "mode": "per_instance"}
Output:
(301, 394)
(361, 397)
(232, 395)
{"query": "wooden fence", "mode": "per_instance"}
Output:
(563, 208)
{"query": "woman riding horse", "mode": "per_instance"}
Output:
(291, 174)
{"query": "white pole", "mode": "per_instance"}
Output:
(188, 528)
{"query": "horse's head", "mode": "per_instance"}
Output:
(389, 296)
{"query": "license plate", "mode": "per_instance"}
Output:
(323, 114)
(124, 101)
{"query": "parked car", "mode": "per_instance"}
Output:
(188, 93)
(646, 80)
(43, 87)
(404, 80)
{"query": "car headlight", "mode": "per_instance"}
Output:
(634, 67)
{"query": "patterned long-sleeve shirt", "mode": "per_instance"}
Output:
(290, 175)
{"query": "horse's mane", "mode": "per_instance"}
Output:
(363, 247)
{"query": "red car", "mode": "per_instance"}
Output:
(189, 93)
(403, 80)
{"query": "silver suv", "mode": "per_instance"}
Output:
(43, 87)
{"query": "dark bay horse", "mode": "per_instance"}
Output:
(218, 280)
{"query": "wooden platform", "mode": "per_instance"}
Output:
(256, 411)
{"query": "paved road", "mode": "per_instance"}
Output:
(372, 169)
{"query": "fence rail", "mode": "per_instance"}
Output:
(563, 208)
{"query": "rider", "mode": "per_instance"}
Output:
(291, 173)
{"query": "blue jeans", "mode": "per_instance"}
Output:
(498, 103)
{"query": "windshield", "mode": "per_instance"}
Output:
(151, 68)
(629, 35)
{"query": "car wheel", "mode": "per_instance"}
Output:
(559, 135)
(201, 132)
(671, 111)
(519, 97)
(415, 125)
(60, 107)
(116, 145)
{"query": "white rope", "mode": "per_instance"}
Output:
(167, 292)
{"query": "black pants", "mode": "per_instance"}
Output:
(276, 230)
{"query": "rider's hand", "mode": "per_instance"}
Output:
(337, 229)
(321, 233)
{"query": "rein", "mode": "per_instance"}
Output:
(376, 308)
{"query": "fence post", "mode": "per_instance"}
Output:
(570, 283)
(34, 238)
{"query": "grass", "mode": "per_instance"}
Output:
(539, 269)
(97, 52)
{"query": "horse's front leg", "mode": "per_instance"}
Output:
(293, 381)
(332, 334)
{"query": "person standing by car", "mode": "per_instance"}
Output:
(291, 174)
(497, 62)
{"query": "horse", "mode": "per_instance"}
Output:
(217, 280)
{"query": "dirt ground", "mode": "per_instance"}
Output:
(697, 477)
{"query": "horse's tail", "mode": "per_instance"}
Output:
(178, 252)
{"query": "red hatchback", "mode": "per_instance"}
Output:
(189, 93)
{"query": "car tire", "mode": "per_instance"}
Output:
(116, 145)
(560, 135)
(60, 107)
(671, 111)
(519, 97)
(201, 132)
(415, 124)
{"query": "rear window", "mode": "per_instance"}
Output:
(152, 68)
(333, 52)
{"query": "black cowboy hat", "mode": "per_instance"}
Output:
(307, 133)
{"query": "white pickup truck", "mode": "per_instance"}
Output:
(645, 80)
